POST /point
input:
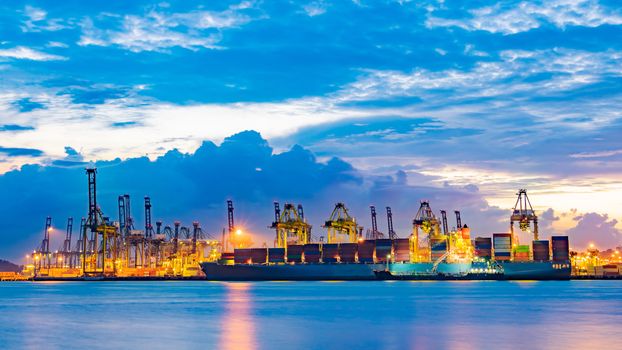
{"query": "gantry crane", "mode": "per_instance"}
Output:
(524, 214)
(445, 225)
(392, 234)
(66, 258)
(341, 226)
(290, 226)
(426, 222)
(458, 220)
(374, 233)
(100, 259)
(41, 255)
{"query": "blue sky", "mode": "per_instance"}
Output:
(462, 101)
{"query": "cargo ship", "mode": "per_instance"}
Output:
(428, 253)
(272, 264)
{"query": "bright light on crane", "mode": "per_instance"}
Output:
(238, 232)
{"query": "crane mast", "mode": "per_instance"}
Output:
(524, 214)
(392, 234)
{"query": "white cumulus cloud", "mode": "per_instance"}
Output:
(26, 53)
(528, 15)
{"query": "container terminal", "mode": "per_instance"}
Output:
(107, 250)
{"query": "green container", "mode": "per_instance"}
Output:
(521, 249)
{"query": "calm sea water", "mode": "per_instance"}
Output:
(312, 315)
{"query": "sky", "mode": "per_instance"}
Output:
(365, 102)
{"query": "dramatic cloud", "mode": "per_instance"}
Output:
(595, 228)
(195, 186)
(520, 94)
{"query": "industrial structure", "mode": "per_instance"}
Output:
(116, 249)
(104, 248)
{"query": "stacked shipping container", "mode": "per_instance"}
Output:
(347, 252)
(561, 251)
(276, 255)
(330, 253)
(383, 249)
(294, 253)
(502, 244)
(521, 253)
(366, 251)
(401, 250)
(541, 250)
(312, 253)
(438, 247)
(483, 247)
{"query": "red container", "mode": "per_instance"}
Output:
(366, 251)
(383, 249)
(259, 255)
(312, 253)
(330, 253)
(483, 253)
(242, 256)
(541, 250)
(347, 252)
(401, 249)
(294, 253)
(560, 248)
(276, 255)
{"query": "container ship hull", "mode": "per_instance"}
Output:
(291, 272)
(535, 270)
(358, 271)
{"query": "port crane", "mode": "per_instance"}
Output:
(524, 214)
(392, 234)
(290, 226)
(424, 222)
(103, 250)
(65, 256)
(341, 226)
(374, 233)
(41, 255)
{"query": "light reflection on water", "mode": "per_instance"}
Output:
(238, 332)
(311, 315)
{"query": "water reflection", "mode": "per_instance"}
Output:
(238, 330)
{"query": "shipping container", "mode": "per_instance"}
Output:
(541, 250)
(276, 255)
(521, 249)
(483, 253)
(483, 243)
(560, 248)
(383, 249)
(242, 256)
(610, 270)
(330, 253)
(347, 252)
(502, 243)
(294, 253)
(259, 255)
(312, 253)
(366, 251)
(401, 249)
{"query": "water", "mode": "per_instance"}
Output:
(311, 315)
